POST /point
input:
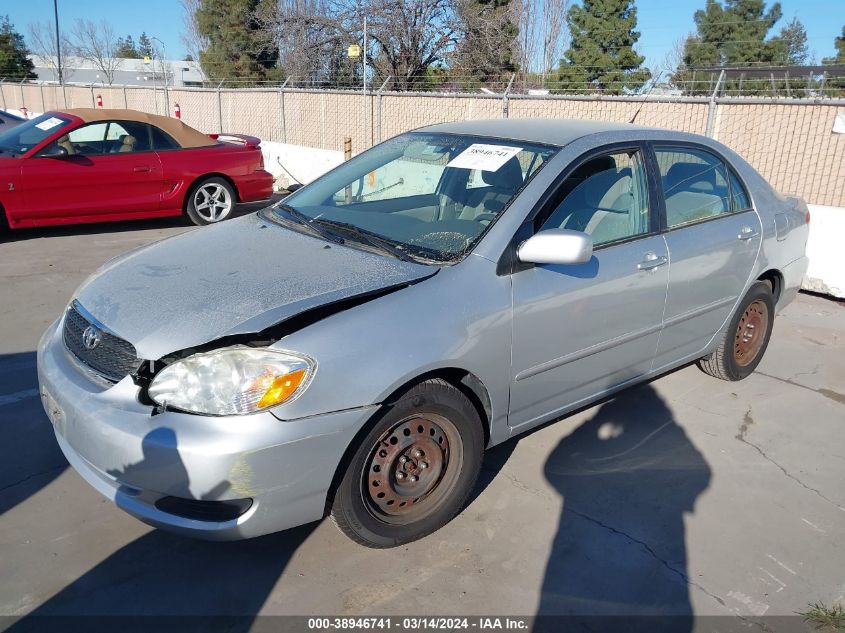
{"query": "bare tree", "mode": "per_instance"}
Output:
(191, 38)
(42, 43)
(554, 32)
(97, 43)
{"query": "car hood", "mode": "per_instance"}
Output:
(237, 277)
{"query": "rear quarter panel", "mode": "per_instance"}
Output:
(183, 167)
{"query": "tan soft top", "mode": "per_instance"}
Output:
(185, 135)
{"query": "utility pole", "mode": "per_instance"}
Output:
(58, 42)
(364, 71)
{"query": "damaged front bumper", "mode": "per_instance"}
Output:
(218, 478)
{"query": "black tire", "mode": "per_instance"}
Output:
(741, 348)
(213, 214)
(430, 417)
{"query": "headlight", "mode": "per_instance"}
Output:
(232, 381)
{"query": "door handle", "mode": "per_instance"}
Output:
(746, 233)
(141, 168)
(652, 261)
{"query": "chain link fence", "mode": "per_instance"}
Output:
(790, 141)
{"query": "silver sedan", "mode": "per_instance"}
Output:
(353, 349)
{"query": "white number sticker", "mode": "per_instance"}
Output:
(49, 124)
(484, 157)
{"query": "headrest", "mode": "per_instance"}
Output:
(508, 176)
(690, 176)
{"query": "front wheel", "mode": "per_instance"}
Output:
(211, 200)
(746, 337)
(414, 469)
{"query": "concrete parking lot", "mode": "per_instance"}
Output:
(684, 496)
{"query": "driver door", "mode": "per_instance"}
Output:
(580, 330)
(109, 172)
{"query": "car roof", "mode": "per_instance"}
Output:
(535, 130)
(184, 135)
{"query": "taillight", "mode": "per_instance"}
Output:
(261, 166)
(807, 216)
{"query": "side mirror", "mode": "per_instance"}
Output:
(556, 246)
(54, 150)
(294, 186)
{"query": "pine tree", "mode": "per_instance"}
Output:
(839, 44)
(236, 50)
(145, 46)
(601, 55)
(733, 34)
(14, 63)
(485, 53)
(126, 48)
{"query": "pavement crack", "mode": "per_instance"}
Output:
(827, 393)
(31, 476)
(742, 437)
(681, 574)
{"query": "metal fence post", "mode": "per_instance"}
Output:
(282, 110)
(712, 105)
(505, 97)
(23, 99)
(220, 108)
(41, 91)
(3, 92)
(93, 98)
(125, 102)
(378, 109)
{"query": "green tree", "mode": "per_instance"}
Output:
(237, 48)
(145, 45)
(601, 54)
(839, 44)
(127, 49)
(13, 53)
(731, 34)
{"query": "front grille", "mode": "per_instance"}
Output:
(113, 358)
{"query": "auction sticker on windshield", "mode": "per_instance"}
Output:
(49, 124)
(484, 157)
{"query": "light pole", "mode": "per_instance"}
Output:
(58, 42)
(163, 63)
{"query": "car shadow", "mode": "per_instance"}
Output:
(627, 476)
(164, 577)
(29, 457)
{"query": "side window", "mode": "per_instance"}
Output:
(739, 196)
(695, 184)
(124, 137)
(87, 140)
(162, 140)
(605, 197)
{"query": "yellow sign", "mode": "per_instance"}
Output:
(147, 59)
(354, 51)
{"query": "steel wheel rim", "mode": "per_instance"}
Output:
(751, 332)
(212, 202)
(395, 486)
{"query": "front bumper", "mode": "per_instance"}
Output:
(136, 459)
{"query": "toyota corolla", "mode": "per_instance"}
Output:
(353, 349)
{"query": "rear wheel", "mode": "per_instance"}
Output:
(414, 469)
(746, 338)
(211, 200)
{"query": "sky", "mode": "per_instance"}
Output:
(661, 22)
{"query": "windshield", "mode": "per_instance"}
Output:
(24, 137)
(427, 197)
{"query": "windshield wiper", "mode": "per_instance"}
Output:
(307, 222)
(369, 237)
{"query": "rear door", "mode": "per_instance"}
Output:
(713, 236)
(579, 330)
(110, 171)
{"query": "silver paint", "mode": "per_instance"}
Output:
(540, 342)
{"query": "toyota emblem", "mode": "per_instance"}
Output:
(91, 337)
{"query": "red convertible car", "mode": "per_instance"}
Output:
(95, 165)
